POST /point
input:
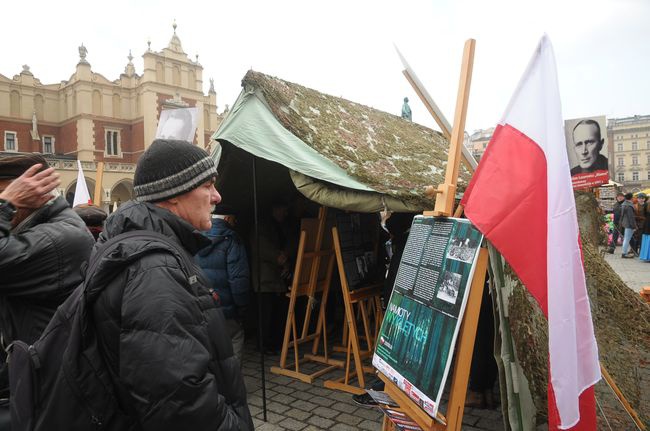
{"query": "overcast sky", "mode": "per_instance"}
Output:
(345, 48)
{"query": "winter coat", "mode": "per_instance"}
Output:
(39, 266)
(163, 338)
(617, 212)
(225, 264)
(627, 215)
(646, 222)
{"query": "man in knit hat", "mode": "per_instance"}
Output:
(42, 245)
(159, 328)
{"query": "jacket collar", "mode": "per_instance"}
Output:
(135, 215)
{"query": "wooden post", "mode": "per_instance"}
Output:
(444, 207)
(447, 192)
(98, 184)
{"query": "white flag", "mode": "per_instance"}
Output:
(81, 195)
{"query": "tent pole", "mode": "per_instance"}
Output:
(258, 276)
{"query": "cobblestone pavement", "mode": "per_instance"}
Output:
(295, 405)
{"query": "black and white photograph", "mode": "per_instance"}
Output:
(586, 142)
(177, 123)
(448, 290)
(462, 249)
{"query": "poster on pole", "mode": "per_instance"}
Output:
(421, 324)
(179, 123)
(586, 142)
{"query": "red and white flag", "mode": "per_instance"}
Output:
(521, 199)
(81, 195)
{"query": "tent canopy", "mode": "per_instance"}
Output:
(340, 153)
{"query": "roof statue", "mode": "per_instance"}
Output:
(175, 42)
(129, 70)
(406, 110)
(83, 51)
(212, 86)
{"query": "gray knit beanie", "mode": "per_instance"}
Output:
(170, 168)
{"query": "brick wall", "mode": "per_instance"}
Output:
(127, 144)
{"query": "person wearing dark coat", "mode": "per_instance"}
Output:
(225, 264)
(628, 224)
(616, 210)
(42, 245)
(161, 333)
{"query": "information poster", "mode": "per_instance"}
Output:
(422, 320)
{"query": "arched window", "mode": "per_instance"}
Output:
(192, 83)
(160, 72)
(97, 102)
(39, 106)
(117, 106)
(206, 120)
(176, 75)
(14, 104)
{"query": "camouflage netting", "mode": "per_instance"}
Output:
(389, 154)
(622, 326)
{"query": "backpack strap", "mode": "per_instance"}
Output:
(187, 265)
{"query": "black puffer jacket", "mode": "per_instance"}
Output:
(39, 268)
(39, 263)
(164, 338)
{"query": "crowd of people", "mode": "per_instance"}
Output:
(631, 222)
(163, 333)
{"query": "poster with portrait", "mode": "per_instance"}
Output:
(179, 123)
(586, 142)
(418, 334)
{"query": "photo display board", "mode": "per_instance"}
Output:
(358, 240)
(418, 334)
(586, 142)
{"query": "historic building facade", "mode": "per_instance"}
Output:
(92, 119)
(477, 142)
(629, 149)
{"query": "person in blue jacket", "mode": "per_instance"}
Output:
(226, 265)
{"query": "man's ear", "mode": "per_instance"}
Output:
(600, 144)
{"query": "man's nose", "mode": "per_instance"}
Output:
(585, 151)
(215, 196)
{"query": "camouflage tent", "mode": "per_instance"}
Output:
(339, 153)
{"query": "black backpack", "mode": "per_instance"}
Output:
(62, 382)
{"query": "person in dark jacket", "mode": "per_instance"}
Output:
(42, 245)
(160, 331)
(93, 217)
(628, 224)
(616, 210)
(225, 264)
(276, 254)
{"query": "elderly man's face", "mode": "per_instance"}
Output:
(195, 207)
(587, 144)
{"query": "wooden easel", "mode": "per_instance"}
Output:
(309, 279)
(365, 301)
(444, 206)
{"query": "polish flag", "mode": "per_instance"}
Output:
(81, 195)
(521, 199)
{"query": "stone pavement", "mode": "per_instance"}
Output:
(634, 272)
(294, 405)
